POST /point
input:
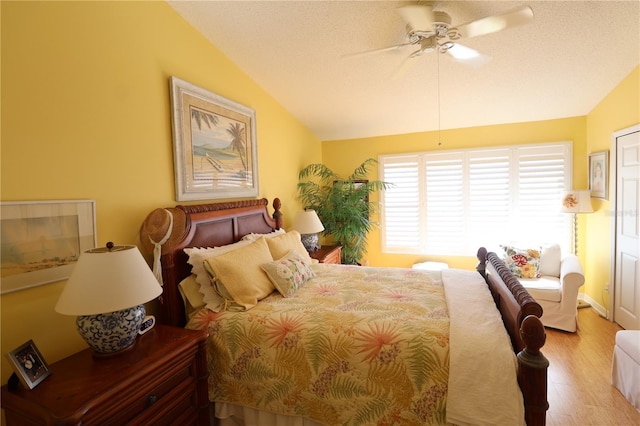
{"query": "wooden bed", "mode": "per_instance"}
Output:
(218, 224)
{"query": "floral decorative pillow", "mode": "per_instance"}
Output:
(289, 273)
(523, 263)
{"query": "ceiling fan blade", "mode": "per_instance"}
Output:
(375, 51)
(419, 17)
(467, 55)
(492, 24)
(406, 65)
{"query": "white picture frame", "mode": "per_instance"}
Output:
(599, 175)
(214, 143)
(42, 240)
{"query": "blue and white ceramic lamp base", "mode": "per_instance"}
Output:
(112, 332)
(310, 241)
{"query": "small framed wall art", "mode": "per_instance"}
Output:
(214, 142)
(42, 240)
(29, 365)
(599, 174)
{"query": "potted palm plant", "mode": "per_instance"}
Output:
(342, 204)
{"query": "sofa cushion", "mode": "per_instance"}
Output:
(550, 260)
(543, 288)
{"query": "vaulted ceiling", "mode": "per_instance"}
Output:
(302, 53)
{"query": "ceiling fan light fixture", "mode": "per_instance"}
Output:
(447, 45)
(461, 52)
(453, 34)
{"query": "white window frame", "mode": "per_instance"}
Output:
(405, 229)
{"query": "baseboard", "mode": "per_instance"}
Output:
(583, 304)
(584, 298)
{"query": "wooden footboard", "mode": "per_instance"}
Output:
(521, 316)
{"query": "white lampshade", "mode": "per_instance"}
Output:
(576, 201)
(107, 280)
(307, 222)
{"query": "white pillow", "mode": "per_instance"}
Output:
(197, 256)
(254, 237)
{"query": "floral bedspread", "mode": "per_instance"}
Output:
(353, 346)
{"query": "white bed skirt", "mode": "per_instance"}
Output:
(236, 415)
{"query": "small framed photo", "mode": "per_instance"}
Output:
(29, 365)
(599, 174)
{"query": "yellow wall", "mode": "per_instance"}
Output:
(343, 156)
(618, 110)
(86, 115)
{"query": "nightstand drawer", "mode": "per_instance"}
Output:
(153, 401)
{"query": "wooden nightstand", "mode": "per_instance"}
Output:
(327, 254)
(161, 380)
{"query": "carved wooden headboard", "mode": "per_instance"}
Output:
(201, 225)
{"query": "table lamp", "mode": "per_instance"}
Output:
(576, 201)
(106, 290)
(308, 225)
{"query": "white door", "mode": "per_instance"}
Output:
(626, 307)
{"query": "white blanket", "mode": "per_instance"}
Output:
(482, 364)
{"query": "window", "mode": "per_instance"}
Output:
(451, 203)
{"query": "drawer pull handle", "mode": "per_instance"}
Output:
(151, 399)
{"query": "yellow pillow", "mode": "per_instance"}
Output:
(240, 273)
(190, 291)
(281, 245)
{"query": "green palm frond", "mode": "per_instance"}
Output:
(371, 412)
(204, 117)
(343, 205)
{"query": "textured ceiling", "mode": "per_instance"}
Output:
(562, 65)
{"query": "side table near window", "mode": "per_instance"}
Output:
(161, 380)
(327, 254)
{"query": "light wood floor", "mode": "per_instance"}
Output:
(579, 379)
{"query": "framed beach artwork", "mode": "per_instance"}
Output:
(215, 147)
(599, 174)
(42, 240)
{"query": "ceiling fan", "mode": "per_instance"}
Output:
(429, 30)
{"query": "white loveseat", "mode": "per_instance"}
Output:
(556, 290)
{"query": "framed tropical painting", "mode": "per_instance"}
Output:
(215, 147)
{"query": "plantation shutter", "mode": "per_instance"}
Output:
(400, 210)
(542, 175)
(451, 203)
(445, 204)
(490, 198)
